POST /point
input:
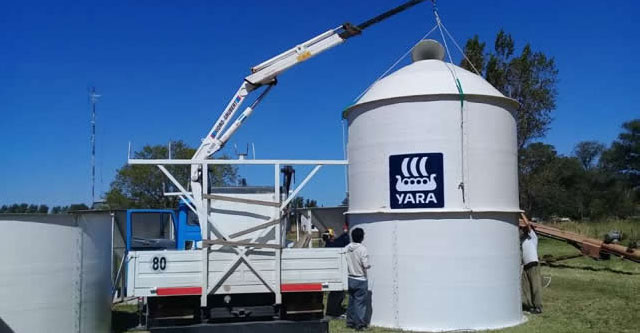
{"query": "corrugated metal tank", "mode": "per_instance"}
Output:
(55, 273)
(434, 184)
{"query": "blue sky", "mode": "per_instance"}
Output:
(167, 68)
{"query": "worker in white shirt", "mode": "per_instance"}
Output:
(531, 279)
(357, 264)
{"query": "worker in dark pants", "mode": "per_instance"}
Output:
(335, 298)
(357, 264)
(531, 279)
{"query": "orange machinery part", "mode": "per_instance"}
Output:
(589, 246)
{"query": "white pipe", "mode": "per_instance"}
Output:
(235, 162)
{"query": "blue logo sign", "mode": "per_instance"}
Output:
(416, 181)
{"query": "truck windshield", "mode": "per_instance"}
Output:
(152, 231)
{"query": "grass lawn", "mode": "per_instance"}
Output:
(584, 295)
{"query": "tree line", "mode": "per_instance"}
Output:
(594, 182)
(24, 208)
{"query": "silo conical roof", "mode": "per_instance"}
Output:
(430, 77)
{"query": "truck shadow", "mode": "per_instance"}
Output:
(121, 321)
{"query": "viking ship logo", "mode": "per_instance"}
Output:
(416, 181)
(416, 178)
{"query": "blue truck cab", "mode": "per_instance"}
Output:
(156, 229)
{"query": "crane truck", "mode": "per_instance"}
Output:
(222, 253)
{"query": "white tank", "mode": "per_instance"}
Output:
(55, 273)
(434, 184)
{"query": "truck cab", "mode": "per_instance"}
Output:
(162, 229)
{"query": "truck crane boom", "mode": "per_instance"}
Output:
(265, 73)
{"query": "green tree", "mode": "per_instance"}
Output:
(59, 209)
(77, 207)
(620, 165)
(624, 155)
(549, 182)
(529, 77)
(301, 202)
(607, 194)
(4, 209)
(32, 209)
(474, 51)
(581, 186)
(43, 209)
(588, 152)
(143, 186)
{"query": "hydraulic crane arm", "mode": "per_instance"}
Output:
(266, 72)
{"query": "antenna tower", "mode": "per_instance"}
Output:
(93, 97)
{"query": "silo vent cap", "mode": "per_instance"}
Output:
(427, 49)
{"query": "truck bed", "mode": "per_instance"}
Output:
(172, 272)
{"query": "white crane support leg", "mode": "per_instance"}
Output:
(278, 227)
(203, 215)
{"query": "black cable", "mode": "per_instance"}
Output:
(351, 30)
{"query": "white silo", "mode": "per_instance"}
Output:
(55, 273)
(433, 182)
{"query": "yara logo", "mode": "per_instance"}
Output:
(416, 181)
(416, 178)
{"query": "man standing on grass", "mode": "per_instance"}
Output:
(358, 263)
(531, 280)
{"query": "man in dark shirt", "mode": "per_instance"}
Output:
(341, 241)
(335, 298)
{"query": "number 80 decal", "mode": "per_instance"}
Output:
(159, 263)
